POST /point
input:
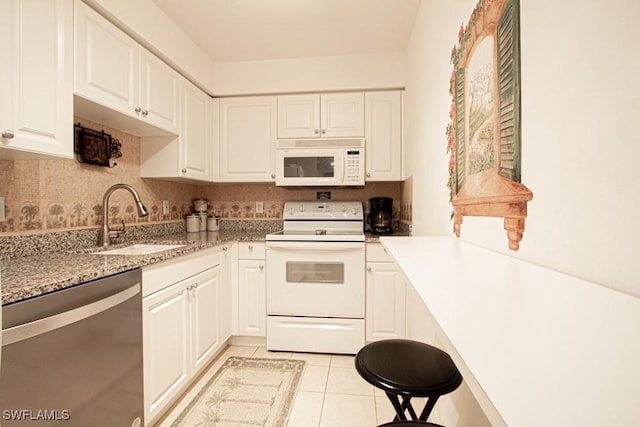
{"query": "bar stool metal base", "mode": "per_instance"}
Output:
(409, 424)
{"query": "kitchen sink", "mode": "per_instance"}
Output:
(139, 249)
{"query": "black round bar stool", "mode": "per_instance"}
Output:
(407, 369)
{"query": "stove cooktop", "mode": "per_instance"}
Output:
(321, 221)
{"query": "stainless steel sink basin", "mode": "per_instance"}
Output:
(138, 249)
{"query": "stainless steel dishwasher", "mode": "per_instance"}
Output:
(74, 357)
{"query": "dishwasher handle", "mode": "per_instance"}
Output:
(48, 324)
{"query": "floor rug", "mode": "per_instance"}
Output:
(245, 392)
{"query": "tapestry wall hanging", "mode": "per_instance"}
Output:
(484, 137)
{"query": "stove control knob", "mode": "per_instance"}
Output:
(291, 210)
(353, 211)
(344, 208)
(301, 208)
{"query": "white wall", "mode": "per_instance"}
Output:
(354, 72)
(580, 148)
(149, 25)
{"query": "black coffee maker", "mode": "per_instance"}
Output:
(380, 215)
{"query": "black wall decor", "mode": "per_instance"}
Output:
(95, 147)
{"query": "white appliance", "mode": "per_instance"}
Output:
(320, 162)
(316, 279)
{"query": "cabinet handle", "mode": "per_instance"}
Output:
(273, 175)
(315, 131)
(250, 247)
(184, 170)
(137, 110)
(369, 269)
(324, 131)
(368, 174)
(8, 134)
(145, 112)
(261, 267)
(224, 248)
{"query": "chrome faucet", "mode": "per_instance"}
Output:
(106, 233)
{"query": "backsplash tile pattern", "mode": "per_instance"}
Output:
(238, 201)
(64, 194)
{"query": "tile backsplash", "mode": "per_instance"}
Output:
(61, 194)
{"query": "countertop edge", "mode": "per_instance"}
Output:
(525, 331)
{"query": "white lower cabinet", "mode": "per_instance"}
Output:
(182, 326)
(252, 289)
(385, 296)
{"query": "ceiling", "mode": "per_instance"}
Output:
(251, 30)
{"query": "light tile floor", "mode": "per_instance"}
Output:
(331, 393)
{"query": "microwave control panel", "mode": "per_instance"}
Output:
(354, 173)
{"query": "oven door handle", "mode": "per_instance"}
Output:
(48, 324)
(315, 246)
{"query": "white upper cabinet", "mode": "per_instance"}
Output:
(36, 79)
(195, 133)
(334, 115)
(112, 70)
(247, 139)
(191, 155)
(383, 136)
(159, 92)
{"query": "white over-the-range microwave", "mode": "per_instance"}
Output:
(321, 162)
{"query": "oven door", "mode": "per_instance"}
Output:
(310, 167)
(317, 279)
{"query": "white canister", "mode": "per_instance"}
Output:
(203, 220)
(200, 205)
(193, 223)
(213, 224)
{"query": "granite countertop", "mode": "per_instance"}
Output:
(375, 238)
(31, 276)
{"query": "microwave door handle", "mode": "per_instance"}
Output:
(344, 168)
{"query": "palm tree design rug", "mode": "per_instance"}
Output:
(245, 392)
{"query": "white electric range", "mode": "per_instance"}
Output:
(316, 279)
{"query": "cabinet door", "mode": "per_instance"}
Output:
(205, 311)
(195, 141)
(106, 62)
(385, 302)
(342, 115)
(383, 136)
(298, 116)
(166, 338)
(228, 292)
(36, 79)
(159, 92)
(252, 310)
(247, 139)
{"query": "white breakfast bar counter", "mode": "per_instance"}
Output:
(541, 347)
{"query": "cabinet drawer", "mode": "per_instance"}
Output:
(377, 253)
(158, 276)
(251, 250)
